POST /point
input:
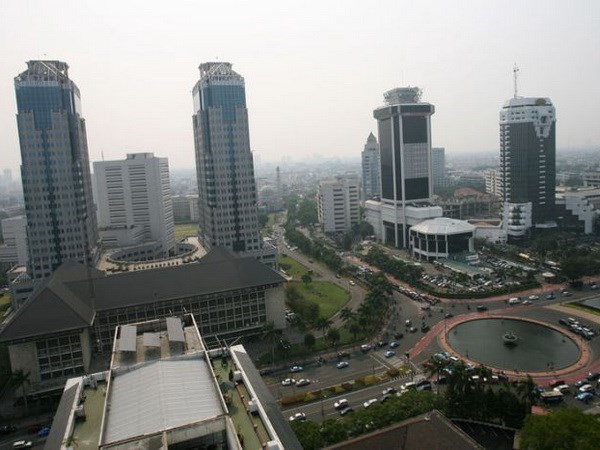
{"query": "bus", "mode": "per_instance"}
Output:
(551, 397)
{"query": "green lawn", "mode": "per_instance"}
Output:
(292, 267)
(330, 297)
(4, 303)
(184, 230)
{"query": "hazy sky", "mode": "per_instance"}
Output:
(314, 70)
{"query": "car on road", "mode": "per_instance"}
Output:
(393, 344)
(580, 383)
(407, 386)
(398, 335)
(346, 410)
(586, 388)
(343, 354)
(448, 315)
(424, 328)
(593, 376)
(413, 329)
(424, 386)
(340, 404)
(482, 308)
(288, 382)
(533, 297)
(527, 302)
(551, 296)
(566, 293)
(407, 322)
(389, 353)
(388, 391)
(585, 397)
(22, 444)
(342, 364)
(295, 369)
(563, 322)
(302, 382)
(369, 402)
(514, 301)
(352, 283)
(298, 417)
(44, 432)
(365, 348)
(266, 371)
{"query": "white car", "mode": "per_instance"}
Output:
(586, 388)
(534, 297)
(288, 382)
(295, 369)
(369, 402)
(299, 416)
(22, 444)
(389, 353)
(342, 364)
(514, 301)
(352, 283)
(341, 404)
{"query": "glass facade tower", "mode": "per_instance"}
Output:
(228, 215)
(61, 221)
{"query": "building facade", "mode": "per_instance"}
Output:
(371, 167)
(438, 166)
(135, 193)
(55, 169)
(591, 178)
(528, 159)
(493, 184)
(338, 204)
(404, 125)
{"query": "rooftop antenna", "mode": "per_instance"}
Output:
(515, 79)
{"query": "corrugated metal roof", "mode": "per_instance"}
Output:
(160, 396)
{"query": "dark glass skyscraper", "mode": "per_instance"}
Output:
(228, 213)
(61, 222)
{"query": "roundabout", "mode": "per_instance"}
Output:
(535, 347)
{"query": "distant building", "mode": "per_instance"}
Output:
(338, 204)
(185, 209)
(406, 178)
(493, 184)
(226, 185)
(135, 194)
(166, 389)
(438, 166)
(577, 209)
(55, 169)
(371, 167)
(74, 313)
(591, 178)
(14, 233)
(528, 164)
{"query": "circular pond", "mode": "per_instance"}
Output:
(538, 348)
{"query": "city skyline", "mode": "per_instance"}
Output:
(123, 62)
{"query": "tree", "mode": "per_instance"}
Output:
(346, 314)
(323, 325)
(565, 428)
(354, 328)
(434, 368)
(309, 340)
(334, 336)
(270, 334)
(306, 278)
(308, 434)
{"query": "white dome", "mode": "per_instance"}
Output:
(443, 226)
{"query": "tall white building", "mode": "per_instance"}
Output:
(404, 125)
(14, 233)
(134, 202)
(228, 214)
(55, 170)
(338, 203)
(371, 169)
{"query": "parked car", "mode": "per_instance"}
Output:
(295, 369)
(302, 382)
(593, 376)
(288, 382)
(346, 410)
(365, 348)
(563, 322)
(394, 344)
(585, 397)
(551, 296)
(398, 335)
(534, 297)
(389, 353)
(388, 391)
(343, 354)
(342, 364)
(586, 388)
(298, 417)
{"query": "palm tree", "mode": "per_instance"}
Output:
(347, 314)
(270, 334)
(334, 336)
(323, 325)
(354, 328)
(435, 367)
(20, 379)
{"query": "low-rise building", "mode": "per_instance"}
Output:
(73, 315)
(165, 389)
(441, 237)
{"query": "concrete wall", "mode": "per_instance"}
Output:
(24, 357)
(275, 306)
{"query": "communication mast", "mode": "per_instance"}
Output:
(515, 79)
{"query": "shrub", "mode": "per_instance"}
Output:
(392, 372)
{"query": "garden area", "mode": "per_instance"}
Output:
(184, 230)
(292, 267)
(315, 299)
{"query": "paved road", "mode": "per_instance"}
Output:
(6, 442)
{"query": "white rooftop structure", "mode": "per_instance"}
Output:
(443, 226)
(161, 396)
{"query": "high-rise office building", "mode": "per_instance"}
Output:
(226, 186)
(370, 169)
(55, 170)
(438, 166)
(135, 192)
(528, 164)
(338, 204)
(406, 175)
